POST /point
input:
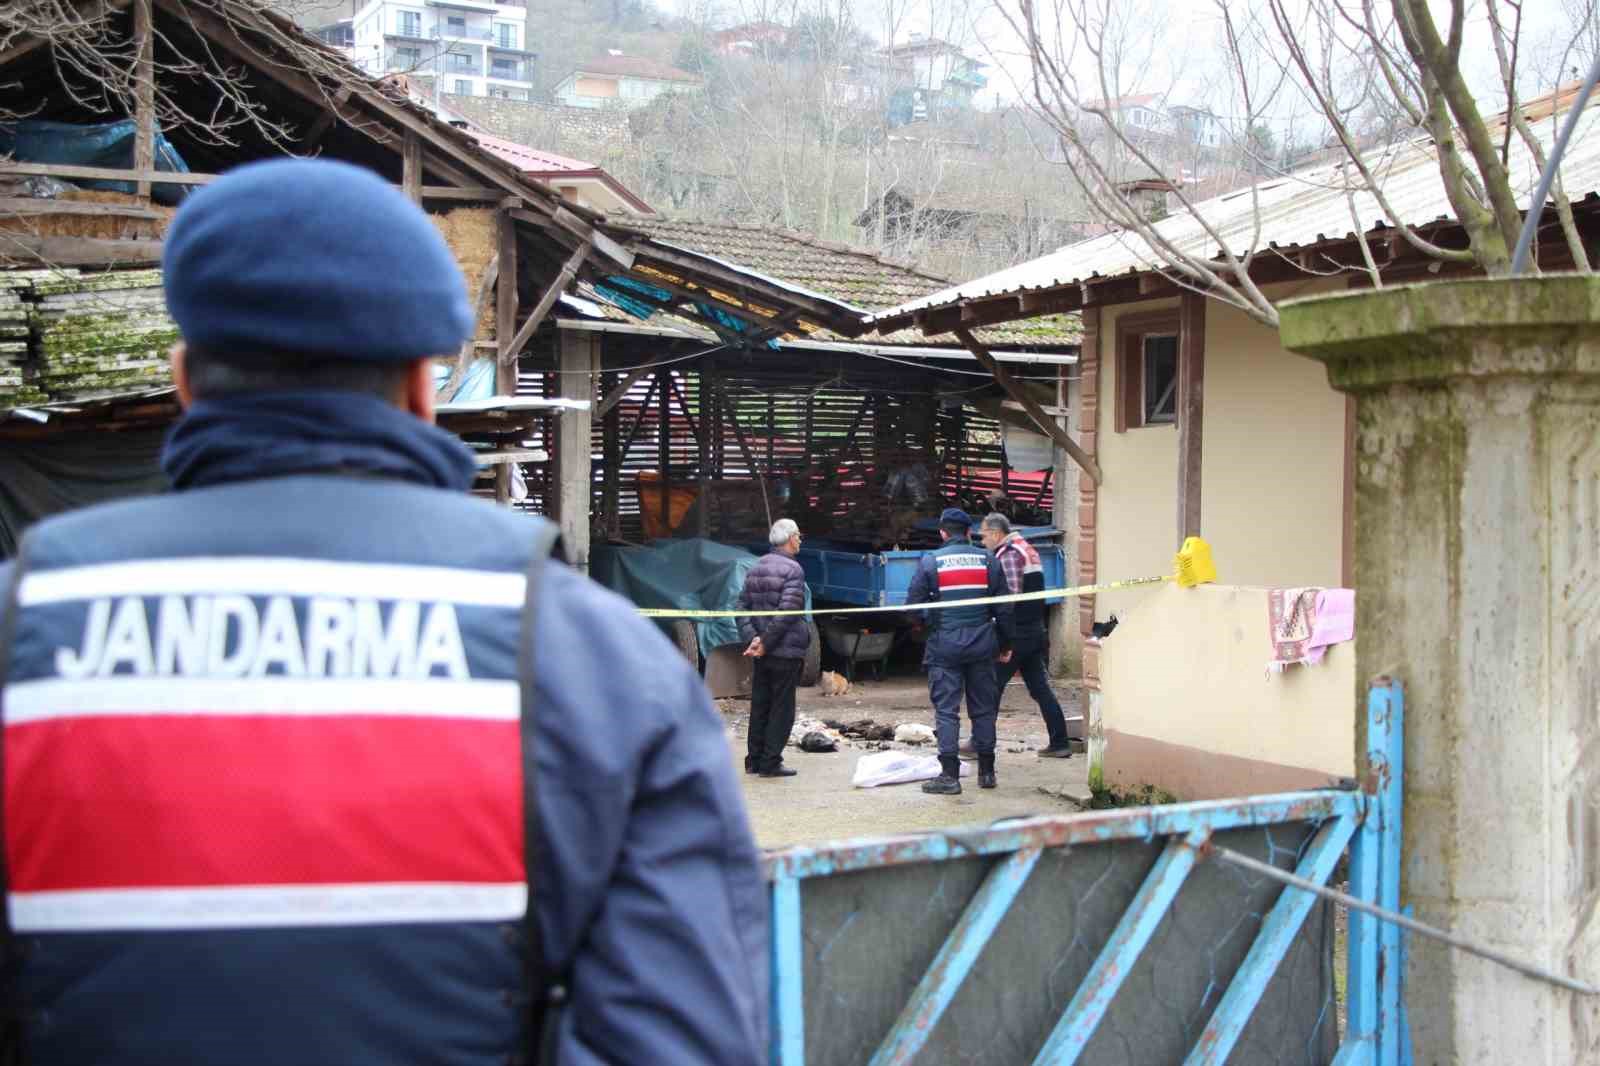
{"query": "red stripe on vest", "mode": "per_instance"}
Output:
(195, 800)
(965, 577)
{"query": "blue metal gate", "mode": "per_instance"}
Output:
(1107, 937)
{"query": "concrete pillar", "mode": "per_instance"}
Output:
(578, 359)
(1066, 636)
(1478, 575)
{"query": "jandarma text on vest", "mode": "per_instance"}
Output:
(231, 635)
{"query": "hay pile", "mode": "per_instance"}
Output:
(472, 235)
(110, 227)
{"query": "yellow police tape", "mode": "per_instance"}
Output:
(1193, 567)
(934, 605)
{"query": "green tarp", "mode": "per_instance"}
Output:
(689, 575)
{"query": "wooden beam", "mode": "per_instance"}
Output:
(144, 87)
(506, 307)
(319, 129)
(477, 193)
(1003, 378)
(1190, 408)
(14, 206)
(565, 221)
(79, 251)
(633, 377)
(75, 173)
(511, 455)
(569, 270)
(411, 167)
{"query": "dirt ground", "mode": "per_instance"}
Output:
(820, 804)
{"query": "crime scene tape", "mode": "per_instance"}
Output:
(1193, 567)
(932, 605)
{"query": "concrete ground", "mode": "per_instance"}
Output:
(820, 804)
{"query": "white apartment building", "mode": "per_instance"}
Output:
(462, 47)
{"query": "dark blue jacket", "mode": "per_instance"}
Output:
(961, 570)
(299, 842)
(776, 583)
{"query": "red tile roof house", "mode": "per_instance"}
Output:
(616, 80)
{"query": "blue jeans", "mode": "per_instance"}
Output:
(1036, 675)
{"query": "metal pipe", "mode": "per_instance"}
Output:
(1552, 166)
(1411, 924)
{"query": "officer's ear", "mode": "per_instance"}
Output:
(419, 389)
(179, 357)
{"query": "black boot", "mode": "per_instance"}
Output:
(986, 770)
(948, 783)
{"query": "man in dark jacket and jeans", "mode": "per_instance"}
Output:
(1019, 561)
(778, 645)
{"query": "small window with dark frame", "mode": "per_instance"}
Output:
(1147, 370)
(1160, 377)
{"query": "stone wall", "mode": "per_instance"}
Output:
(585, 133)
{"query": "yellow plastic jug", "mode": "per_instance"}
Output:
(1194, 563)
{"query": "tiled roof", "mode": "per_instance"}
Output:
(853, 276)
(635, 67)
(530, 160)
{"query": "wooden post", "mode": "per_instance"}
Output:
(1066, 635)
(144, 143)
(1190, 408)
(702, 398)
(411, 167)
(611, 471)
(1003, 378)
(578, 361)
(505, 326)
(664, 448)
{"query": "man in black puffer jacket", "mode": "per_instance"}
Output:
(778, 645)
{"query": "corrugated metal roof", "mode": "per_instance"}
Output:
(1290, 212)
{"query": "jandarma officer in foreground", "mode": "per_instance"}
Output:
(283, 760)
(964, 643)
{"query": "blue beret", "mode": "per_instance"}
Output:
(312, 257)
(955, 516)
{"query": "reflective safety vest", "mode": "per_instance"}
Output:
(264, 786)
(962, 571)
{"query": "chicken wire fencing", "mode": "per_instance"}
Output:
(1112, 938)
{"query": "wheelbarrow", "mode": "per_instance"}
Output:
(860, 646)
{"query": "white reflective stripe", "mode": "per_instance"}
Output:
(265, 906)
(254, 576)
(952, 588)
(35, 701)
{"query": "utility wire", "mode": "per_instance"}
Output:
(1525, 968)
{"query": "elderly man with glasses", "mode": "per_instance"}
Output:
(778, 644)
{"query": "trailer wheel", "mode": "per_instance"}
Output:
(811, 669)
(687, 640)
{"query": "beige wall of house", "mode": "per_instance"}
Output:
(1272, 465)
(1272, 459)
(1136, 519)
(595, 87)
(1184, 701)
(1187, 703)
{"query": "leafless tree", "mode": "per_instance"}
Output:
(1368, 71)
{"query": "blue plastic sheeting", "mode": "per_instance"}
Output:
(687, 575)
(106, 144)
(476, 384)
(613, 291)
(729, 322)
